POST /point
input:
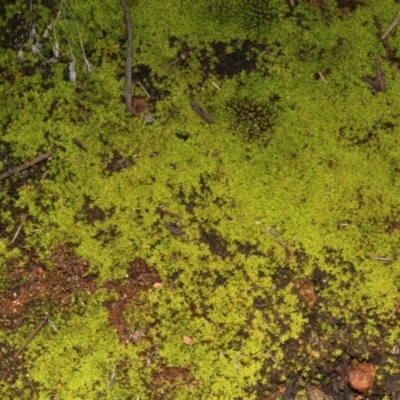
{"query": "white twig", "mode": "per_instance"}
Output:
(394, 24)
(216, 86)
(144, 89)
(385, 259)
(17, 232)
(86, 61)
(322, 77)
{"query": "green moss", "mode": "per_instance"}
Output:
(317, 200)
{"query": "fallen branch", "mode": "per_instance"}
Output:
(27, 165)
(128, 65)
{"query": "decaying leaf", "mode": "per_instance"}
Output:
(306, 290)
(139, 105)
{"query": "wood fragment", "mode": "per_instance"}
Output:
(169, 213)
(174, 228)
(378, 84)
(128, 64)
(27, 165)
(203, 114)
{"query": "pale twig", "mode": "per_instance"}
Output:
(394, 24)
(322, 77)
(144, 89)
(216, 86)
(85, 60)
(385, 259)
(19, 228)
(27, 165)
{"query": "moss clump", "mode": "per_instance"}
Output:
(254, 120)
(259, 15)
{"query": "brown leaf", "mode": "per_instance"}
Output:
(306, 290)
(139, 105)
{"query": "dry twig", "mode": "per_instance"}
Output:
(144, 89)
(27, 165)
(128, 65)
(386, 45)
(203, 114)
(29, 339)
(322, 77)
(394, 24)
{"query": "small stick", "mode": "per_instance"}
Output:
(128, 65)
(322, 77)
(19, 228)
(31, 336)
(394, 24)
(144, 89)
(386, 259)
(27, 165)
(216, 86)
(203, 114)
(27, 341)
(169, 213)
(386, 45)
(78, 143)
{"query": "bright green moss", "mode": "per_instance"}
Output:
(319, 196)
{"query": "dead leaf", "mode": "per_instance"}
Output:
(306, 290)
(139, 105)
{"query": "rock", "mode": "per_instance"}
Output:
(361, 376)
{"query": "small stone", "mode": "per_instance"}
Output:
(361, 376)
(187, 340)
(148, 119)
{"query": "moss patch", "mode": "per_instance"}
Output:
(181, 259)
